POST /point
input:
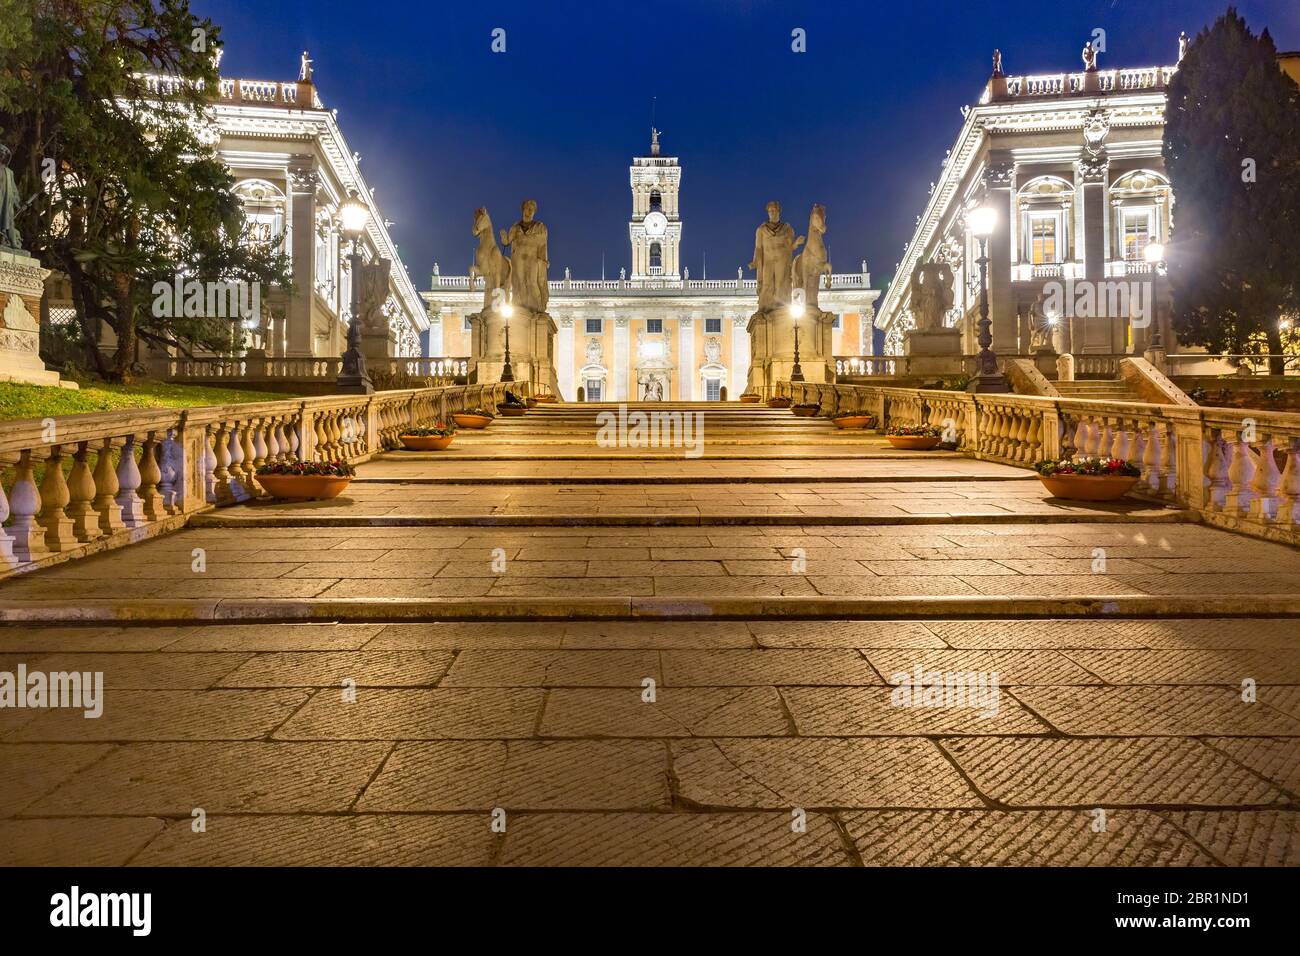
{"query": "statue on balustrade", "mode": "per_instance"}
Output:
(811, 264)
(372, 294)
(529, 260)
(774, 243)
(932, 294)
(489, 262)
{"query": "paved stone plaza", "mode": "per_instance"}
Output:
(502, 609)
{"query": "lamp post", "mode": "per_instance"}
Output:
(353, 379)
(1154, 254)
(507, 373)
(796, 313)
(981, 222)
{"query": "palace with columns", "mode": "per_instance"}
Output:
(292, 170)
(1072, 165)
(657, 331)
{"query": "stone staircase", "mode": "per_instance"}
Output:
(1114, 390)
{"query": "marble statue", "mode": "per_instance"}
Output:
(712, 352)
(305, 69)
(1089, 57)
(654, 389)
(9, 205)
(488, 260)
(372, 295)
(932, 294)
(811, 264)
(1182, 46)
(997, 62)
(529, 260)
(594, 351)
(774, 242)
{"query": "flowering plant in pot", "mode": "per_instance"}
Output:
(859, 419)
(473, 418)
(806, 409)
(435, 438)
(914, 437)
(780, 401)
(305, 479)
(750, 398)
(1088, 478)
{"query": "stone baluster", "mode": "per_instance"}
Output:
(106, 506)
(238, 476)
(170, 462)
(1289, 509)
(294, 439)
(1267, 483)
(151, 498)
(25, 506)
(55, 498)
(7, 559)
(1217, 483)
(1241, 476)
(81, 497)
(260, 448)
(219, 454)
(275, 440)
(1152, 457)
(128, 484)
(1169, 462)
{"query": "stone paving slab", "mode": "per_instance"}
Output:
(75, 842)
(170, 780)
(333, 668)
(1261, 838)
(675, 712)
(598, 668)
(1156, 711)
(29, 771)
(784, 774)
(1094, 772)
(352, 840)
(383, 714)
(872, 712)
(676, 839)
(1025, 838)
(1013, 667)
(521, 775)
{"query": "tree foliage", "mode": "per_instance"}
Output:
(103, 103)
(1232, 151)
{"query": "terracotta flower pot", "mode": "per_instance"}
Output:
(303, 486)
(805, 411)
(913, 442)
(426, 442)
(530, 402)
(750, 399)
(512, 411)
(781, 402)
(471, 421)
(543, 399)
(1089, 487)
(852, 421)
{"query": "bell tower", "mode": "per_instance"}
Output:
(656, 226)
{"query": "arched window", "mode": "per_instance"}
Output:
(656, 201)
(1045, 220)
(656, 259)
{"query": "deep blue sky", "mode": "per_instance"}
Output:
(859, 122)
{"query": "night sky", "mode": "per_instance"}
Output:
(860, 122)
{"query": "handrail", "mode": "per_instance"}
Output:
(80, 483)
(1232, 468)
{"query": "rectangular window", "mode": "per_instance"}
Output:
(712, 326)
(1042, 237)
(654, 326)
(593, 389)
(712, 389)
(595, 326)
(1137, 235)
(466, 325)
(837, 324)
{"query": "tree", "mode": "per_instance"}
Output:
(1232, 152)
(103, 103)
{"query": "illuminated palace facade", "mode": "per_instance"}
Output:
(657, 330)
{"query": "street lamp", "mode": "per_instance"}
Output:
(507, 373)
(1154, 254)
(796, 313)
(982, 221)
(354, 216)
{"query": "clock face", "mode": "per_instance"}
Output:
(656, 224)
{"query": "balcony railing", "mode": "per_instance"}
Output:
(1141, 79)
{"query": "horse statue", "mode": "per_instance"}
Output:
(489, 262)
(811, 264)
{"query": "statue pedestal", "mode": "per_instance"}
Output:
(933, 352)
(22, 283)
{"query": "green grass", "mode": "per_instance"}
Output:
(34, 401)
